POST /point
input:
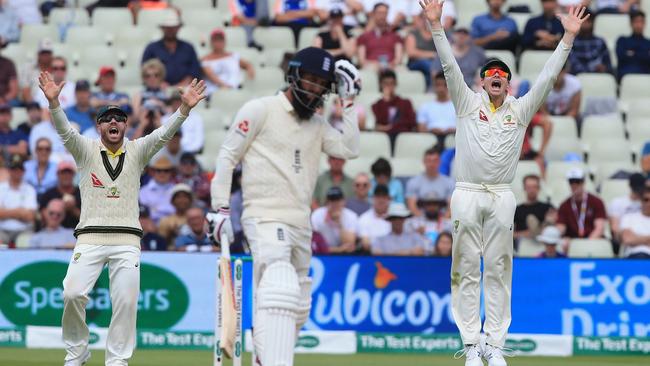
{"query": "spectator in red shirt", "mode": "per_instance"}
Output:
(392, 113)
(543, 121)
(380, 47)
(582, 215)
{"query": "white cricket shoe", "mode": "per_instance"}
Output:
(494, 356)
(79, 361)
(472, 353)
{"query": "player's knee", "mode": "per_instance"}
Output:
(279, 288)
(72, 294)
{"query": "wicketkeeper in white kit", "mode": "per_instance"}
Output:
(279, 140)
(491, 127)
(109, 231)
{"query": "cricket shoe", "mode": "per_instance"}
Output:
(79, 361)
(472, 353)
(494, 356)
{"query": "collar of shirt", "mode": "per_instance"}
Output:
(284, 101)
(111, 154)
(488, 102)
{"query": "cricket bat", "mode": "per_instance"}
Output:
(228, 310)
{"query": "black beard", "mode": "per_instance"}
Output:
(431, 215)
(303, 112)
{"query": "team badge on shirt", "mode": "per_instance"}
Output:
(113, 192)
(508, 120)
(482, 116)
(242, 128)
(96, 182)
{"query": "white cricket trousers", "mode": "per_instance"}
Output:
(124, 275)
(482, 218)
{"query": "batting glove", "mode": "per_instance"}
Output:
(348, 82)
(219, 222)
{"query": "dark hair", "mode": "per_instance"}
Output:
(439, 76)
(381, 167)
(440, 236)
(635, 14)
(386, 74)
(531, 176)
(432, 151)
(380, 4)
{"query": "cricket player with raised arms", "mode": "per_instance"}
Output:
(109, 231)
(279, 140)
(491, 127)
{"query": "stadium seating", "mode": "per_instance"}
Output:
(528, 248)
(604, 170)
(602, 127)
(560, 146)
(235, 37)
(374, 144)
(635, 87)
(153, 17)
(275, 38)
(403, 167)
(532, 62)
(410, 82)
(614, 188)
(590, 248)
(32, 34)
(356, 166)
(467, 10)
(612, 26)
(609, 150)
(307, 36)
(596, 87)
(564, 126)
(65, 16)
(81, 37)
(112, 18)
(411, 145)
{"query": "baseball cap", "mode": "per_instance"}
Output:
(336, 13)
(550, 235)
(45, 45)
(82, 85)
(103, 71)
(646, 149)
(637, 183)
(217, 32)
(110, 109)
(381, 190)
(188, 158)
(171, 20)
(335, 193)
(398, 211)
(66, 165)
(16, 161)
(495, 62)
(431, 197)
(32, 105)
(462, 30)
(181, 188)
(575, 173)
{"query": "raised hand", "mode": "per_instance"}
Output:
(192, 94)
(49, 87)
(432, 10)
(572, 21)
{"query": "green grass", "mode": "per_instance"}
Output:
(40, 357)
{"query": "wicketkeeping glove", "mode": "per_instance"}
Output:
(219, 222)
(348, 82)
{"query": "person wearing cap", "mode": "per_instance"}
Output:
(279, 141)
(582, 215)
(41, 171)
(67, 190)
(334, 176)
(82, 112)
(28, 73)
(194, 234)
(107, 95)
(551, 237)
(432, 221)
(543, 32)
(192, 137)
(398, 241)
(34, 116)
(182, 199)
(222, 68)
(422, 185)
(150, 238)
(629, 203)
(336, 38)
(469, 56)
(12, 141)
(489, 135)
(372, 223)
(156, 194)
(635, 227)
(108, 231)
(337, 224)
(178, 56)
(59, 70)
(17, 202)
(379, 47)
(53, 235)
(495, 30)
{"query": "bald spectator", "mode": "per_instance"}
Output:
(398, 241)
(334, 176)
(429, 181)
(495, 30)
(17, 203)
(380, 47)
(359, 202)
(66, 190)
(194, 234)
(53, 235)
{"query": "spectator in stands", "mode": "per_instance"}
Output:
(589, 53)
(190, 173)
(45, 129)
(192, 138)
(28, 75)
(543, 32)
(194, 234)
(349, 9)
(65, 190)
(156, 194)
(469, 56)
(645, 160)
(336, 39)
(318, 244)
(107, 95)
(222, 68)
(9, 25)
(294, 14)
(630, 203)
(337, 224)
(154, 96)
(582, 215)
(17, 202)
(181, 199)
(246, 14)
(53, 235)
(616, 6)
(420, 49)
(398, 241)
(382, 174)
(336, 115)
(82, 113)
(543, 121)
(433, 219)
(446, 161)
(40, 172)
(438, 116)
(429, 181)
(380, 47)
(27, 11)
(59, 74)
(178, 56)
(12, 141)
(47, 6)
(172, 150)
(393, 114)
(359, 201)
(550, 237)
(443, 245)
(633, 52)
(495, 30)
(8, 81)
(334, 176)
(373, 223)
(34, 116)
(636, 230)
(564, 98)
(532, 215)
(150, 238)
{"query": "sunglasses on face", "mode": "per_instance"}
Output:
(494, 71)
(364, 184)
(58, 68)
(55, 214)
(43, 148)
(151, 75)
(162, 170)
(109, 117)
(576, 181)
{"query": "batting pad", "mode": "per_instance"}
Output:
(304, 305)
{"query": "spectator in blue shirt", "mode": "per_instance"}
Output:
(246, 14)
(178, 56)
(107, 94)
(11, 141)
(495, 30)
(633, 52)
(382, 174)
(295, 14)
(82, 113)
(589, 53)
(9, 25)
(40, 171)
(194, 235)
(545, 31)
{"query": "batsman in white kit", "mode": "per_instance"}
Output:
(491, 127)
(109, 231)
(279, 140)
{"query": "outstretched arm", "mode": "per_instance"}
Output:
(461, 94)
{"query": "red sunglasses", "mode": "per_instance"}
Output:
(494, 71)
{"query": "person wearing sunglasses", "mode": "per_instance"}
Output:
(109, 230)
(490, 131)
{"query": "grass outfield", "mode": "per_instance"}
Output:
(40, 357)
